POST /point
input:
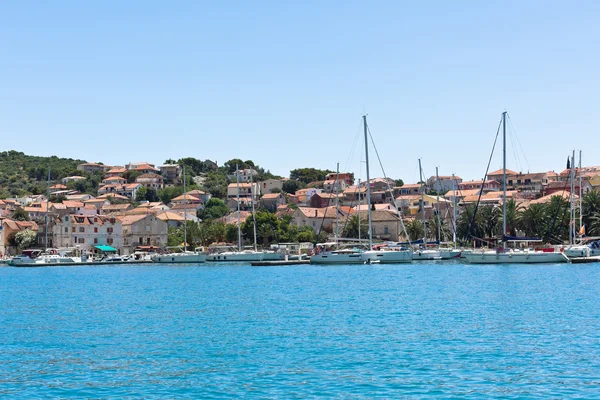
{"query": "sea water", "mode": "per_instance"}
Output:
(363, 331)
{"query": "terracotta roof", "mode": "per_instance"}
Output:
(116, 170)
(144, 167)
(379, 215)
(232, 218)
(150, 176)
(380, 207)
(272, 196)
(546, 199)
(479, 182)
(188, 197)
(113, 195)
(242, 185)
(58, 186)
(131, 219)
(72, 203)
(501, 172)
(411, 186)
(110, 207)
(352, 189)
(196, 192)
(114, 178)
(170, 216)
(325, 212)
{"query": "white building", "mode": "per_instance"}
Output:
(143, 230)
(85, 232)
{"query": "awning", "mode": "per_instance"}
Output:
(106, 248)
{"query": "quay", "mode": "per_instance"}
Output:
(585, 260)
(79, 264)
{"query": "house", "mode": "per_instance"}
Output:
(134, 165)
(151, 180)
(245, 175)
(333, 186)
(36, 210)
(88, 210)
(173, 219)
(114, 172)
(498, 176)
(9, 227)
(321, 200)
(146, 169)
(232, 219)
(87, 231)
(143, 230)
(72, 206)
(385, 224)
(352, 193)
(488, 185)
(154, 207)
(245, 190)
(548, 198)
(114, 180)
(319, 218)
(171, 172)
(57, 188)
(531, 185)
(271, 201)
(557, 187)
(199, 194)
(408, 189)
(128, 190)
(73, 178)
(443, 183)
(116, 208)
(92, 167)
(79, 197)
(98, 203)
(564, 176)
(269, 185)
(346, 177)
(113, 196)
(304, 195)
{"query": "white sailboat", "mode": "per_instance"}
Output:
(245, 255)
(336, 252)
(184, 257)
(510, 256)
(384, 255)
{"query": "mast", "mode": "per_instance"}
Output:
(454, 210)
(368, 183)
(358, 214)
(237, 181)
(184, 214)
(572, 210)
(437, 190)
(503, 180)
(337, 201)
(423, 205)
(253, 216)
(580, 194)
(47, 204)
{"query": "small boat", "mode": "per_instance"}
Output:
(336, 253)
(196, 256)
(230, 254)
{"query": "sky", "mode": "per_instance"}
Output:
(285, 83)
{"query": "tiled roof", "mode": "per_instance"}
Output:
(272, 196)
(72, 203)
(170, 216)
(131, 219)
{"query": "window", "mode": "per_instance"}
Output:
(386, 230)
(73, 229)
(95, 240)
(81, 229)
(66, 229)
(95, 230)
(141, 240)
(109, 241)
(109, 230)
(81, 240)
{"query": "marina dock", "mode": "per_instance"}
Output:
(279, 263)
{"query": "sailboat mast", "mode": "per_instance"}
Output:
(580, 194)
(359, 210)
(423, 205)
(337, 201)
(239, 219)
(47, 204)
(184, 214)
(454, 210)
(253, 215)
(437, 190)
(368, 183)
(503, 180)
(572, 211)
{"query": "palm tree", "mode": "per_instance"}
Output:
(532, 220)
(512, 212)
(432, 229)
(464, 230)
(557, 217)
(414, 229)
(591, 206)
(351, 228)
(491, 218)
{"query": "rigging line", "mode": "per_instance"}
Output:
(519, 142)
(483, 183)
(353, 148)
(388, 185)
(551, 228)
(515, 153)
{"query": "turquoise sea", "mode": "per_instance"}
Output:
(406, 331)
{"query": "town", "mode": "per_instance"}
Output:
(140, 206)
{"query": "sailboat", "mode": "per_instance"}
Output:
(336, 252)
(245, 255)
(510, 256)
(196, 256)
(384, 255)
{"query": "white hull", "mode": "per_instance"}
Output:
(436, 254)
(387, 256)
(175, 258)
(581, 251)
(41, 261)
(518, 257)
(337, 258)
(245, 256)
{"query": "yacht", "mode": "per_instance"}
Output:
(245, 255)
(190, 257)
(332, 253)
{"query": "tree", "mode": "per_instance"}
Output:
(267, 226)
(306, 234)
(591, 206)
(532, 220)
(512, 212)
(414, 229)
(20, 215)
(140, 194)
(351, 229)
(168, 193)
(131, 175)
(231, 233)
(25, 238)
(291, 186)
(307, 175)
(214, 208)
(398, 182)
(216, 183)
(491, 219)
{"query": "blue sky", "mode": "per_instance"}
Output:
(285, 83)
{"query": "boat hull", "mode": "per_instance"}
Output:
(244, 257)
(179, 258)
(387, 257)
(492, 257)
(339, 259)
(581, 251)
